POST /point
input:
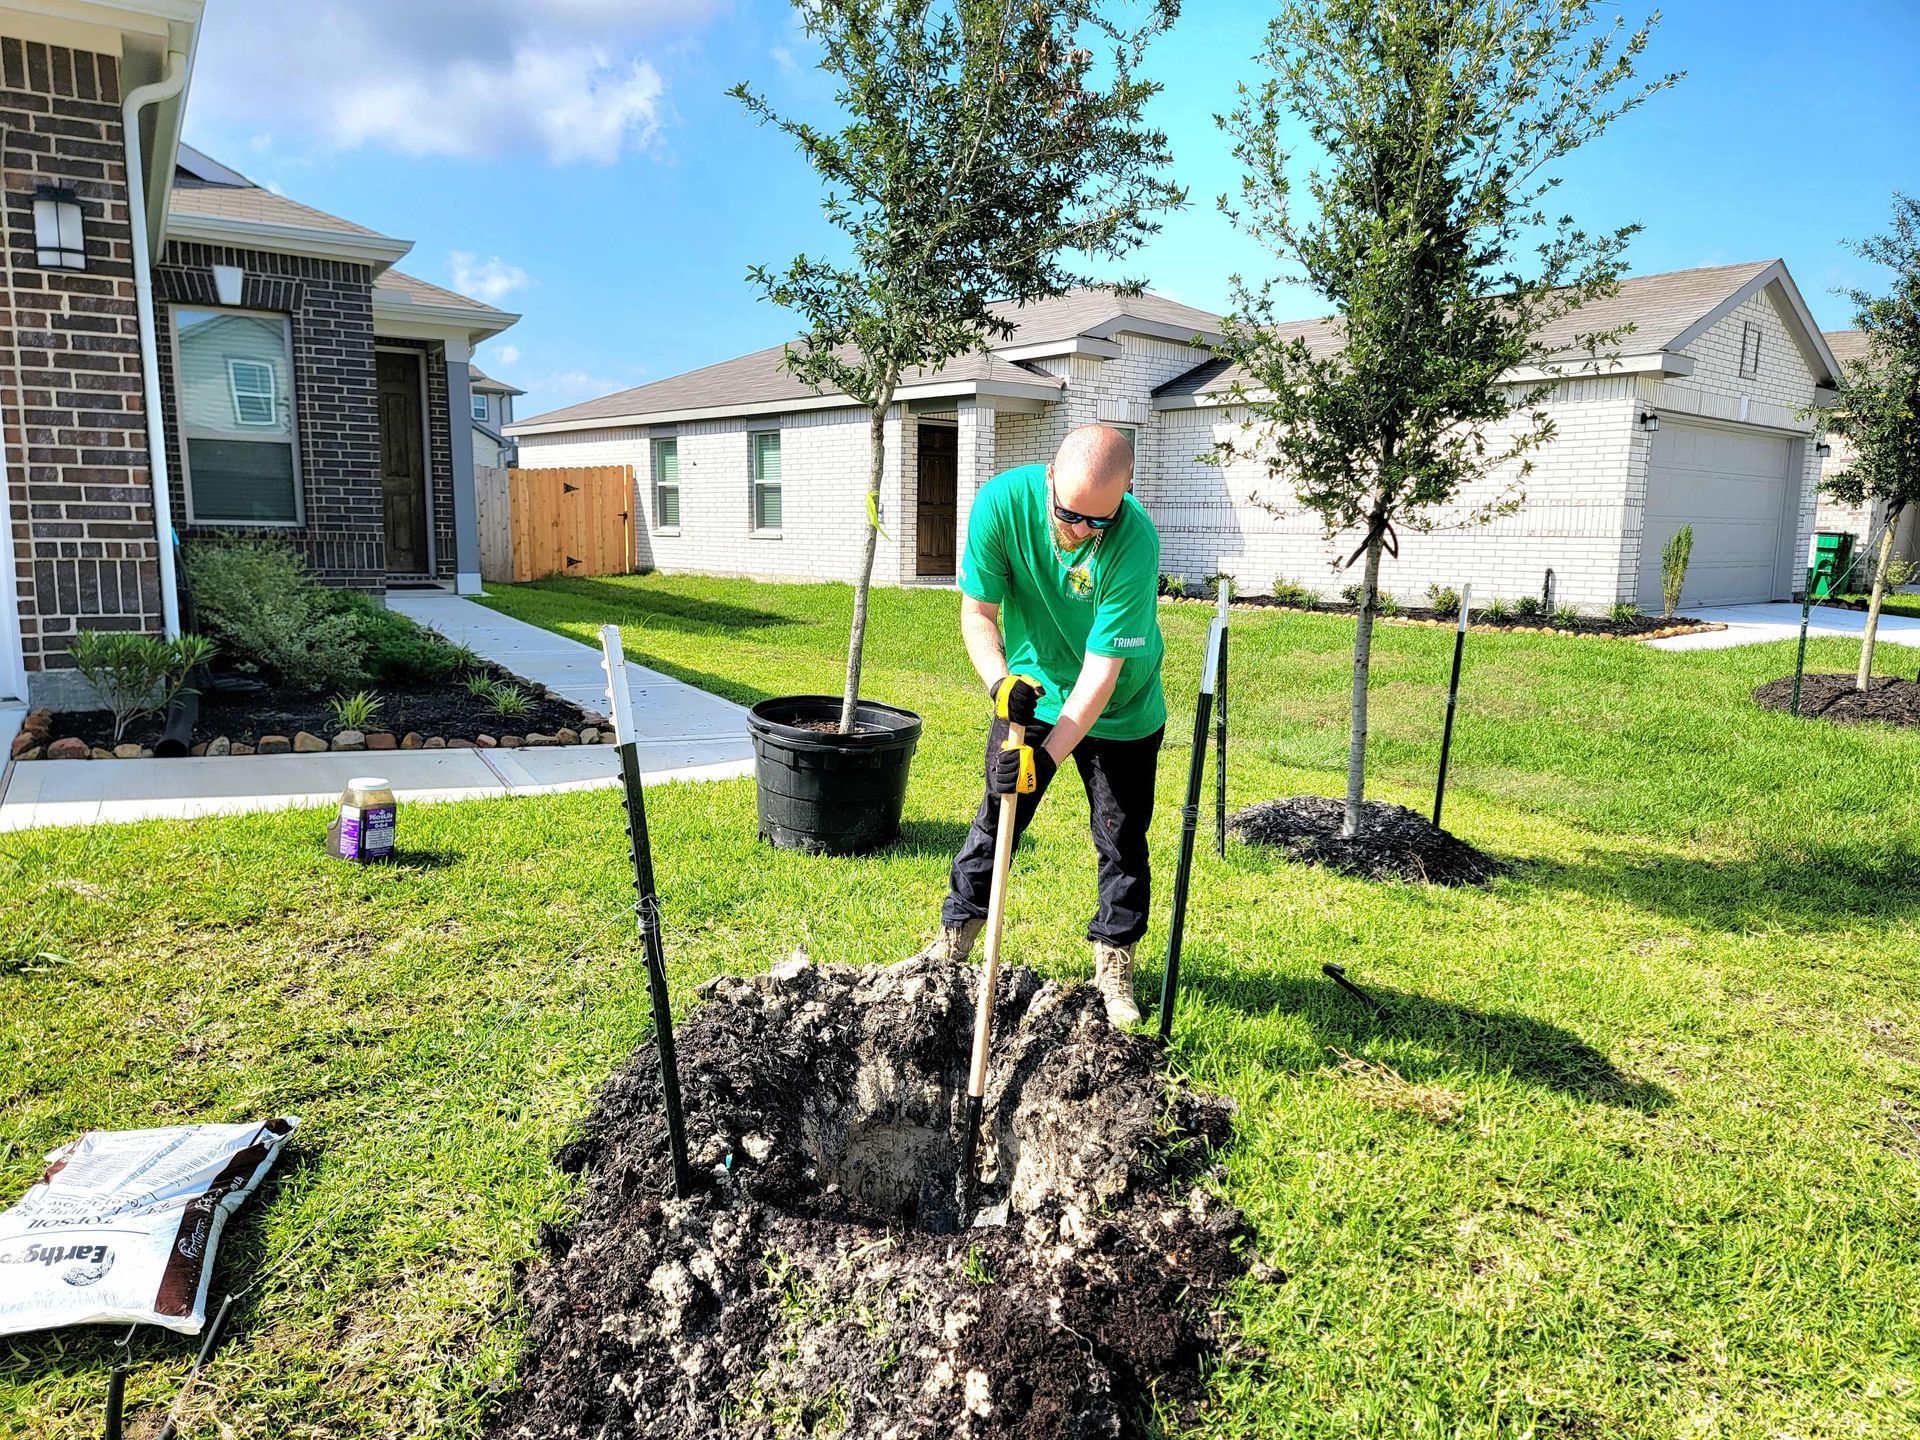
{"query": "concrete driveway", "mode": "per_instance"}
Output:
(1780, 620)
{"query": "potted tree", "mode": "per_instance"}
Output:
(979, 151)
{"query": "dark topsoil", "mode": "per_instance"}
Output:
(438, 707)
(1393, 844)
(1833, 697)
(822, 1279)
(1585, 625)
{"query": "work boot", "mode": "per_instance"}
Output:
(953, 944)
(1113, 978)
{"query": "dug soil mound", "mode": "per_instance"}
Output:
(1832, 697)
(824, 1279)
(1393, 844)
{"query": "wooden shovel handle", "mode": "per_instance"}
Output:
(996, 915)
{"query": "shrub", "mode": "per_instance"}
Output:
(257, 601)
(1309, 599)
(1673, 568)
(1173, 585)
(1496, 611)
(1623, 612)
(1445, 601)
(136, 675)
(1528, 607)
(1566, 616)
(1288, 593)
(354, 712)
(1351, 594)
(396, 650)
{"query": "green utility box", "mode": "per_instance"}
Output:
(1832, 557)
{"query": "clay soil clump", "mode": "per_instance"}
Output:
(824, 1279)
(1393, 844)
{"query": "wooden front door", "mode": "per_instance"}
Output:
(403, 463)
(939, 470)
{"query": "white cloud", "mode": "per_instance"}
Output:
(464, 78)
(783, 57)
(504, 355)
(568, 387)
(491, 280)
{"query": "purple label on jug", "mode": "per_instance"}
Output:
(366, 834)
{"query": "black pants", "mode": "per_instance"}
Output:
(1119, 778)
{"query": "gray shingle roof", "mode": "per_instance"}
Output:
(1659, 307)
(1846, 344)
(248, 202)
(412, 290)
(479, 380)
(1079, 311)
(760, 379)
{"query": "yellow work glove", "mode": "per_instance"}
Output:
(1014, 697)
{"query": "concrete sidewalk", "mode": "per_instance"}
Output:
(685, 734)
(1780, 620)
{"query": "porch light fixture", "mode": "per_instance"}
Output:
(1649, 421)
(1822, 449)
(59, 236)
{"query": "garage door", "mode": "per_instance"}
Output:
(1731, 485)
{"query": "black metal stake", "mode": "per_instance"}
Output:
(1189, 823)
(1800, 655)
(1338, 974)
(116, 1401)
(647, 907)
(211, 1341)
(1453, 698)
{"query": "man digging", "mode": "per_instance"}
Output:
(1065, 561)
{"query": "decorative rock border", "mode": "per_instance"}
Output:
(35, 742)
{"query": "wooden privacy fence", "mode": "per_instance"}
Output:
(576, 520)
(494, 509)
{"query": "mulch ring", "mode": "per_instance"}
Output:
(1394, 843)
(823, 1278)
(1889, 700)
(438, 707)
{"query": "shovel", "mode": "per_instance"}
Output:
(989, 979)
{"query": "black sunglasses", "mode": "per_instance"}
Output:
(1074, 517)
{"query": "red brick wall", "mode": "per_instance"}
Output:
(330, 306)
(79, 497)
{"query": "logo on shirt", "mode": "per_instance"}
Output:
(1130, 642)
(1080, 580)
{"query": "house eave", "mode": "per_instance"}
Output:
(1124, 324)
(1663, 364)
(1013, 395)
(377, 251)
(394, 319)
(1059, 349)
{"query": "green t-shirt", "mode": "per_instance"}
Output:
(1102, 599)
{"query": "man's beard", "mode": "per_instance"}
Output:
(1065, 541)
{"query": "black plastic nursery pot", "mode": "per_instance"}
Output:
(829, 793)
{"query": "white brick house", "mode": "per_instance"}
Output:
(1725, 358)
(1863, 522)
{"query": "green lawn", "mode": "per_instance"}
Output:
(1654, 1169)
(1894, 602)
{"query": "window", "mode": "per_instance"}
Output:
(666, 484)
(251, 383)
(479, 404)
(765, 453)
(234, 373)
(1749, 348)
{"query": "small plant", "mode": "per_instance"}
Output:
(1673, 569)
(465, 661)
(509, 702)
(1623, 612)
(136, 675)
(1174, 586)
(354, 712)
(479, 684)
(1287, 592)
(1309, 599)
(1385, 604)
(1445, 601)
(1528, 607)
(1901, 572)
(975, 1267)
(1497, 611)
(1214, 581)
(1567, 617)
(1351, 594)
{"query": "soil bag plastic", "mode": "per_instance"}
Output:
(122, 1226)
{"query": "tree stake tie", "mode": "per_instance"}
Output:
(989, 978)
(1189, 822)
(646, 902)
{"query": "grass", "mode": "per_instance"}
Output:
(1894, 602)
(1636, 1157)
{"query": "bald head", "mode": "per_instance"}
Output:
(1092, 472)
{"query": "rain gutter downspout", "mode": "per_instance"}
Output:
(165, 88)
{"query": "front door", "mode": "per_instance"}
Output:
(939, 468)
(403, 463)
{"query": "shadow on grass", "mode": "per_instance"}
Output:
(1496, 1043)
(631, 604)
(1808, 888)
(921, 838)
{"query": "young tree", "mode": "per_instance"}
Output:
(1877, 411)
(1435, 122)
(983, 145)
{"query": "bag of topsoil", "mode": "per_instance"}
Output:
(122, 1226)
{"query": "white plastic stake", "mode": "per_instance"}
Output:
(619, 700)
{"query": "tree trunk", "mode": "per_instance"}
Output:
(1865, 677)
(856, 642)
(1362, 655)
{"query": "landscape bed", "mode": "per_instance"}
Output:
(1640, 627)
(1888, 699)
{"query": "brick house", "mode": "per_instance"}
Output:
(1695, 421)
(1863, 522)
(184, 353)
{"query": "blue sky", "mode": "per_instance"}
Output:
(578, 161)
